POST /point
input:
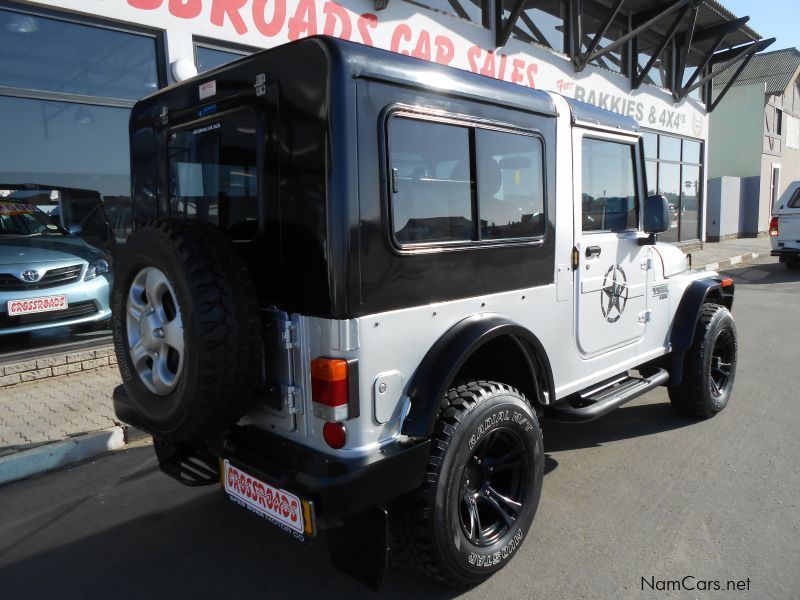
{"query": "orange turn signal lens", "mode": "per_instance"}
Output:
(330, 388)
(329, 369)
(726, 282)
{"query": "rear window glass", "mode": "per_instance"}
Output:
(213, 174)
(795, 201)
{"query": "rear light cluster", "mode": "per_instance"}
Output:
(334, 393)
(773, 227)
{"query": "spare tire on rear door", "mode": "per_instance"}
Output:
(186, 329)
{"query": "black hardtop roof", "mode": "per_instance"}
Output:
(353, 60)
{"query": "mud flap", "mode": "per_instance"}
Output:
(360, 546)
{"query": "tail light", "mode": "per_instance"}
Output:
(773, 227)
(334, 388)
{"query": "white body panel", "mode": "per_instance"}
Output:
(788, 220)
(390, 346)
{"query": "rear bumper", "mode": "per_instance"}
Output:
(337, 486)
(784, 253)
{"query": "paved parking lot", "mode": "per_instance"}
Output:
(639, 496)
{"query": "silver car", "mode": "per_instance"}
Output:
(48, 277)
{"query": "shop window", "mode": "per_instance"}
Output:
(669, 186)
(67, 84)
(210, 56)
(609, 186)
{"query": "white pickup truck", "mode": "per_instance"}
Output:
(784, 228)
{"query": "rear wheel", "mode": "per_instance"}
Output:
(481, 489)
(186, 329)
(792, 263)
(709, 365)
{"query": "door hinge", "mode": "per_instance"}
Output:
(164, 115)
(261, 84)
(647, 263)
(289, 335)
(645, 316)
(293, 394)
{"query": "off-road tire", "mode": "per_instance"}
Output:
(221, 368)
(792, 263)
(700, 394)
(427, 527)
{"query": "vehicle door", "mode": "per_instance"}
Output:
(611, 271)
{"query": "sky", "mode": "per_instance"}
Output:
(770, 18)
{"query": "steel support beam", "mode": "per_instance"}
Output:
(745, 52)
(503, 29)
(711, 102)
(686, 45)
(643, 26)
(637, 80)
(574, 31)
(604, 28)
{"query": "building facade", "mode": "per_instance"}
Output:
(71, 70)
(755, 136)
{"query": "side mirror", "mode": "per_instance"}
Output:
(75, 229)
(657, 215)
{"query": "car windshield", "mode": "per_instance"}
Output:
(18, 217)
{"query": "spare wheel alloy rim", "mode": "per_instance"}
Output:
(155, 331)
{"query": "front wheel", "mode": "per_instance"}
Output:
(709, 366)
(481, 488)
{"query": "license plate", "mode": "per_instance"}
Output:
(36, 305)
(278, 506)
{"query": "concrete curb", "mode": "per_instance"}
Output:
(53, 365)
(733, 261)
(59, 454)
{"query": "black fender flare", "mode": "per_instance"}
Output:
(444, 359)
(691, 304)
(688, 313)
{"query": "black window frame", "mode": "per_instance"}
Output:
(158, 36)
(639, 183)
(794, 201)
(472, 124)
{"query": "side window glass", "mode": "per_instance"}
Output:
(510, 185)
(609, 186)
(795, 201)
(431, 181)
(213, 174)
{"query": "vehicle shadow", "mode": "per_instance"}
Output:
(624, 423)
(204, 547)
(764, 274)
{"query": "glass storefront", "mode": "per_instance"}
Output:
(209, 56)
(66, 89)
(674, 169)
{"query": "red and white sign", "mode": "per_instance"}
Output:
(14, 208)
(263, 499)
(208, 89)
(36, 305)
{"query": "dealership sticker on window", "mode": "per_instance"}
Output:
(208, 89)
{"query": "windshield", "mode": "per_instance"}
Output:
(20, 218)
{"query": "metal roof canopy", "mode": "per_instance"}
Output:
(695, 40)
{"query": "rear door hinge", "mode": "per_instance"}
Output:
(645, 316)
(293, 395)
(647, 263)
(260, 84)
(289, 335)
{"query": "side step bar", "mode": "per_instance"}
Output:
(598, 401)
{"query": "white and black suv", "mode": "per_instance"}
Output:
(359, 280)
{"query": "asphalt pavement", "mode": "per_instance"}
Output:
(633, 501)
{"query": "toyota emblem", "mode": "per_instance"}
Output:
(31, 275)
